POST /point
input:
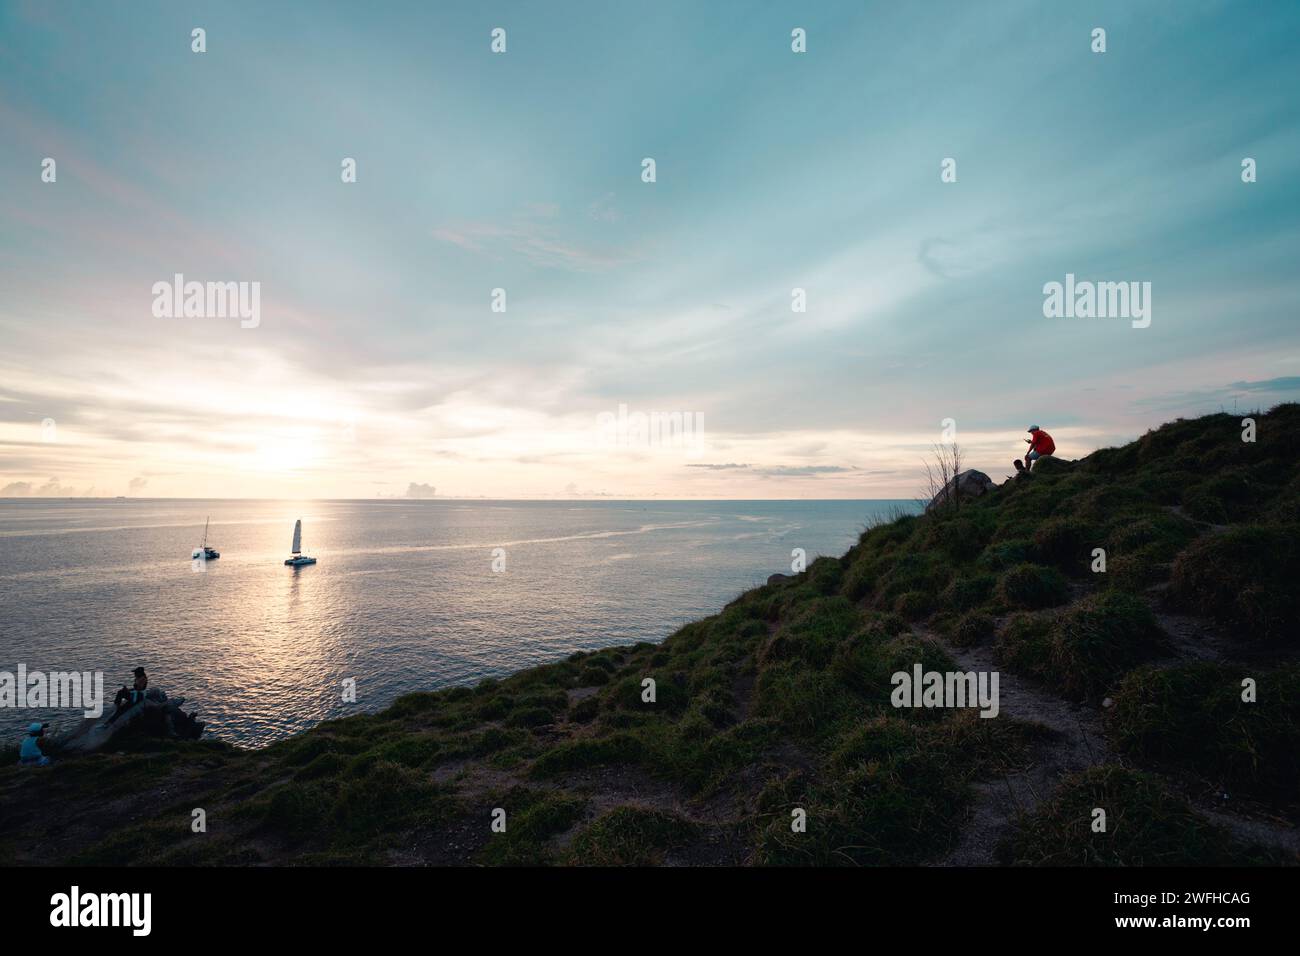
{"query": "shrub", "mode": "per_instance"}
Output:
(961, 535)
(1146, 826)
(964, 593)
(882, 537)
(882, 625)
(494, 708)
(592, 677)
(812, 632)
(578, 754)
(324, 766)
(630, 836)
(859, 580)
(1165, 533)
(1285, 505)
(411, 750)
(1052, 466)
(805, 702)
(1113, 461)
(585, 710)
(1165, 487)
(1135, 572)
(1236, 489)
(1245, 576)
(385, 799)
(530, 717)
(1193, 717)
(1066, 543)
(914, 605)
(494, 739)
(825, 574)
(973, 628)
(1101, 504)
(898, 794)
(1205, 507)
(416, 703)
(914, 572)
(1024, 642)
(866, 668)
(534, 818)
(1100, 638)
(1006, 554)
(1033, 586)
(1084, 648)
(297, 811)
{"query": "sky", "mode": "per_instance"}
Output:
(377, 364)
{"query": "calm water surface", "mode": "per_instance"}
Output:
(403, 598)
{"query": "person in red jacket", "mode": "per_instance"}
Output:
(1040, 446)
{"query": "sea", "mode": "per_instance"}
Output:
(406, 594)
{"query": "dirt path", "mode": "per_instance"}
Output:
(1077, 743)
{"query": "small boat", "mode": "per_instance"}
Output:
(203, 551)
(299, 559)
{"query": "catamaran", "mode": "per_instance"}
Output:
(299, 559)
(204, 552)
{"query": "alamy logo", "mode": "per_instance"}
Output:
(1098, 300)
(60, 689)
(103, 909)
(653, 429)
(208, 300)
(946, 689)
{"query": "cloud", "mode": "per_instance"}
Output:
(947, 259)
(781, 471)
(535, 237)
(51, 489)
(804, 471)
(1289, 383)
(923, 299)
(603, 210)
(137, 483)
(1197, 401)
(414, 490)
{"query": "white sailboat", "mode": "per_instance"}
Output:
(298, 559)
(203, 551)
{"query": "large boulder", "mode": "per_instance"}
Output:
(965, 484)
(157, 715)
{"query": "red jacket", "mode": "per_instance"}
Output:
(1042, 443)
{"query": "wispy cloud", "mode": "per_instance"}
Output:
(378, 358)
(534, 237)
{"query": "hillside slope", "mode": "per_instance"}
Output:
(1120, 690)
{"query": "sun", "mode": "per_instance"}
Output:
(284, 455)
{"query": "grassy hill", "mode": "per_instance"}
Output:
(1121, 690)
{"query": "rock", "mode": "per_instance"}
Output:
(158, 715)
(965, 484)
(778, 578)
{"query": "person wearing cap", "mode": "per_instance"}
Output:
(1040, 446)
(32, 751)
(129, 698)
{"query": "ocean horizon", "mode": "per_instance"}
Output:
(407, 595)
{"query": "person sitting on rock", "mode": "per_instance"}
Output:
(1040, 446)
(32, 752)
(126, 699)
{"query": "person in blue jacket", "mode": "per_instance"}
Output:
(32, 752)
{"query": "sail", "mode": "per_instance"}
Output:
(297, 536)
(205, 532)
